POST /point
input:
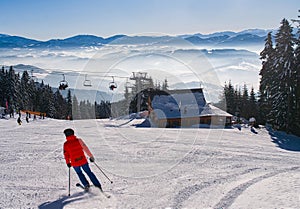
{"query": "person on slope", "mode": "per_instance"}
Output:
(74, 149)
(19, 121)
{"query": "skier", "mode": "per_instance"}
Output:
(19, 121)
(253, 125)
(27, 119)
(74, 149)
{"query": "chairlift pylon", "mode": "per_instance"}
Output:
(63, 84)
(87, 82)
(112, 85)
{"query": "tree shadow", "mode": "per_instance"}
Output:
(284, 140)
(63, 201)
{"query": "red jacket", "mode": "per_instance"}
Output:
(74, 149)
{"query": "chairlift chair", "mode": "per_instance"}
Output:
(112, 85)
(63, 84)
(87, 82)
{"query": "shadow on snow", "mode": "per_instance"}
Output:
(63, 201)
(284, 140)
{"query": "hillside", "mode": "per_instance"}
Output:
(150, 168)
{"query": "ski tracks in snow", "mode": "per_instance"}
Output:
(232, 195)
(228, 199)
(184, 194)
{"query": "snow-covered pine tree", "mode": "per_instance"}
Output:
(26, 91)
(284, 84)
(60, 106)
(266, 80)
(253, 107)
(229, 98)
(75, 108)
(2, 89)
(11, 85)
(296, 128)
(245, 103)
(69, 104)
(47, 101)
(238, 102)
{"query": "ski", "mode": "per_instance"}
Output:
(82, 187)
(106, 195)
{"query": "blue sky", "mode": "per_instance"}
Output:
(46, 19)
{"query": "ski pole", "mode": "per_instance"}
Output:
(103, 172)
(69, 181)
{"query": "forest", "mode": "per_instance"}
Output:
(23, 93)
(278, 100)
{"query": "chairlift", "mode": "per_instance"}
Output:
(63, 84)
(112, 85)
(87, 82)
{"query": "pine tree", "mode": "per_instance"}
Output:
(12, 88)
(283, 98)
(230, 98)
(69, 104)
(3, 87)
(26, 91)
(296, 127)
(48, 102)
(75, 108)
(60, 106)
(266, 81)
(51, 101)
(245, 103)
(253, 107)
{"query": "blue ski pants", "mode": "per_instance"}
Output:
(88, 171)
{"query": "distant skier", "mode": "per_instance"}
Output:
(19, 121)
(253, 125)
(74, 149)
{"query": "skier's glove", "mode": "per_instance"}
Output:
(69, 165)
(92, 159)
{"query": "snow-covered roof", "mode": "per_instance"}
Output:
(178, 104)
(210, 110)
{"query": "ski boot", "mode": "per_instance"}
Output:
(87, 187)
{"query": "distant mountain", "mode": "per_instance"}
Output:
(29, 68)
(250, 36)
(245, 38)
(78, 41)
(226, 40)
(7, 41)
(258, 32)
(210, 40)
(144, 40)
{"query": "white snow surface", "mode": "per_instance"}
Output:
(149, 167)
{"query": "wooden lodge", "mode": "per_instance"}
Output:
(184, 108)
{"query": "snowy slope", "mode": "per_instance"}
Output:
(150, 168)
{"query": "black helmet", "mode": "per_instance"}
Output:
(69, 132)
